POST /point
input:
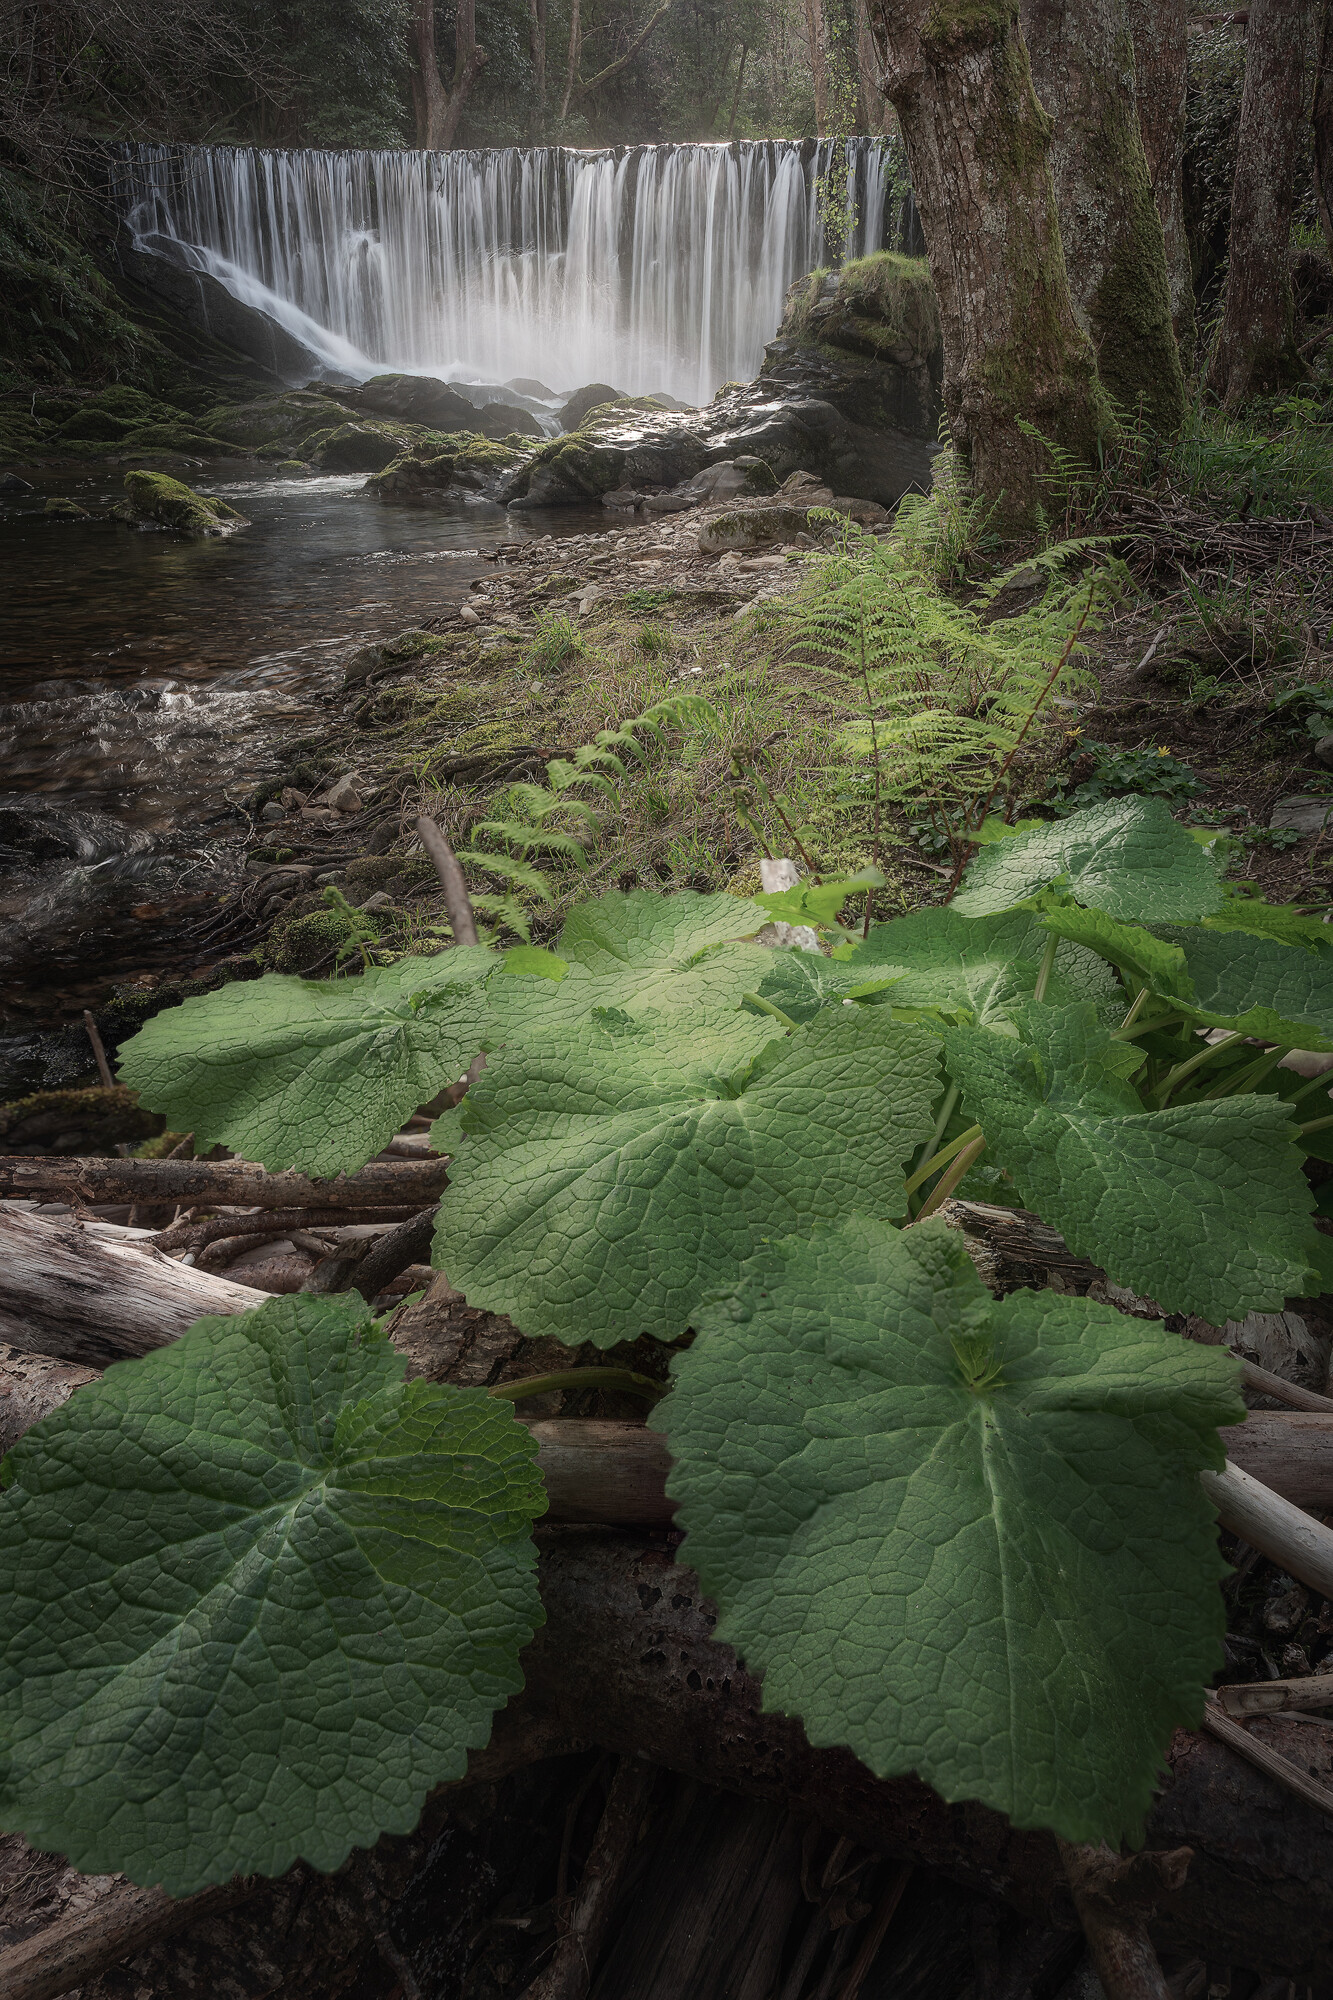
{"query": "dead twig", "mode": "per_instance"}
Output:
(1271, 1697)
(456, 899)
(877, 1932)
(1292, 1539)
(99, 1052)
(1270, 1761)
(236, 1183)
(1114, 1898)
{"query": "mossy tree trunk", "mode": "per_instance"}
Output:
(1160, 29)
(978, 146)
(1323, 124)
(1083, 70)
(1256, 347)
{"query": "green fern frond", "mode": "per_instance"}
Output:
(521, 873)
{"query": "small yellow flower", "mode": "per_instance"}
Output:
(1164, 749)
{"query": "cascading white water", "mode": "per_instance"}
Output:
(652, 268)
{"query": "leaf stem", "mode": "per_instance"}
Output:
(1315, 1125)
(1254, 1073)
(1044, 972)
(1136, 1008)
(949, 1180)
(1308, 1084)
(1127, 1033)
(767, 1007)
(624, 1379)
(1182, 1070)
(942, 1159)
(945, 1114)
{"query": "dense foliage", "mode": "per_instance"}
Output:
(937, 1521)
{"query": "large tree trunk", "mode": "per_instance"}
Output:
(1160, 29)
(814, 28)
(1083, 70)
(439, 111)
(978, 147)
(1256, 348)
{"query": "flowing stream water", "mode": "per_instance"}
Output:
(145, 682)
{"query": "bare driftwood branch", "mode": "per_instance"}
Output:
(569, 1974)
(1277, 1386)
(1290, 1451)
(456, 899)
(273, 1222)
(1114, 1899)
(78, 1297)
(1271, 1697)
(1293, 1540)
(235, 1183)
(409, 1243)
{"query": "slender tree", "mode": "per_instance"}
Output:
(814, 28)
(537, 16)
(440, 107)
(978, 147)
(1323, 123)
(1083, 71)
(1160, 29)
(1256, 347)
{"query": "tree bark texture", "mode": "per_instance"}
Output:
(396, 1184)
(1322, 121)
(1160, 31)
(814, 32)
(1256, 347)
(439, 110)
(978, 146)
(1083, 72)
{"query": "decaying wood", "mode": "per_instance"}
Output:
(409, 1243)
(274, 1222)
(628, 1646)
(1268, 1384)
(1296, 1542)
(1271, 1697)
(78, 1297)
(1114, 1898)
(456, 899)
(385, 1183)
(609, 1472)
(569, 1974)
(31, 1386)
(1290, 1451)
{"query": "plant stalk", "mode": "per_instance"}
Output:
(1182, 1070)
(623, 1379)
(949, 1180)
(942, 1159)
(1047, 963)
(767, 1007)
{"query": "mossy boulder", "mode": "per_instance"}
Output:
(865, 339)
(755, 527)
(440, 468)
(631, 442)
(123, 418)
(291, 421)
(155, 501)
(365, 446)
(65, 510)
(399, 655)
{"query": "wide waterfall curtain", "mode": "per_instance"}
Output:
(654, 268)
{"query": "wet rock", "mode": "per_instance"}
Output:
(436, 406)
(865, 339)
(295, 423)
(583, 400)
(65, 510)
(155, 501)
(365, 447)
(169, 270)
(1301, 815)
(752, 528)
(11, 484)
(467, 474)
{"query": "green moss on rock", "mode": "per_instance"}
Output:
(155, 500)
(66, 510)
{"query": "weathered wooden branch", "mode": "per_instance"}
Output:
(457, 902)
(237, 1183)
(31, 1386)
(1293, 1540)
(1271, 1697)
(1114, 1898)
(1266, 1759)
(79, 1297)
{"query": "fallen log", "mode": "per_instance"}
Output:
(82, 1298)
(31, 1386)
(386, 1183)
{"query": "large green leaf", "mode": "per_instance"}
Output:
(965, 1538)
(976, 967)
(1135, 951)
(1202, 1206)
(607, 1184)
(1125, 856)
(259, 1597)
(316, 1074)
(1277, 992)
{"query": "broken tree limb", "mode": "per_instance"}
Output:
(79, 1297)
(31, 1386)
(1296, 1542)
(1114, 1898)
(1266, 1759)
(237, 1183)
(1268, 1384)
(604, 1472)
(456, 899)
(1290, 1451)
(409, 1243)
(1271, 1697)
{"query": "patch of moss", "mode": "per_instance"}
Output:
(93, 1121)
(308, 939)
(66, 510)
(167, 503)
(296, 418)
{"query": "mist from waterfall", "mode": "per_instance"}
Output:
(653, 268)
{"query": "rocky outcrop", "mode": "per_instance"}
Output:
(466, 474)
(162, 267)
(154, 501)
(585, 400)
(865, 339)
(421, 399)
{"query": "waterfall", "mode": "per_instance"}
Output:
(653, 268)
